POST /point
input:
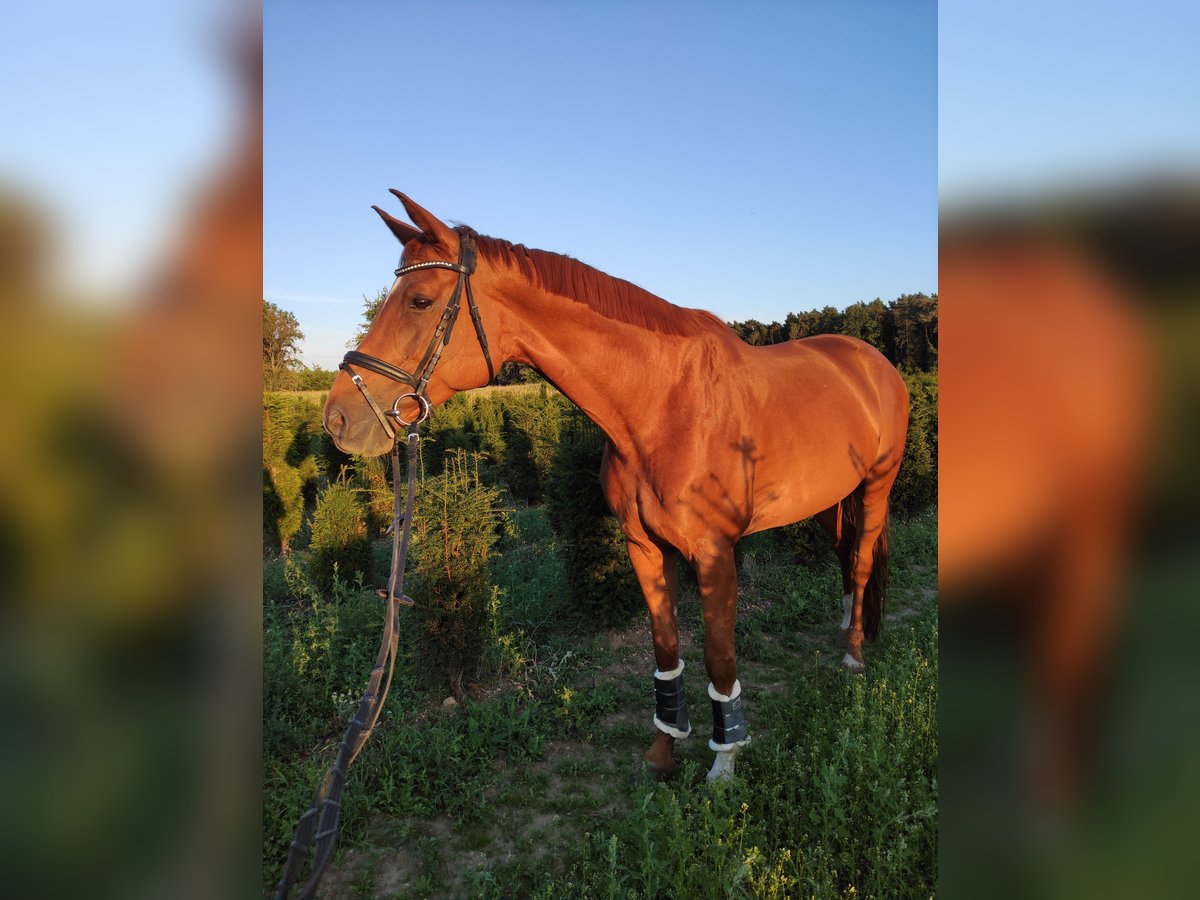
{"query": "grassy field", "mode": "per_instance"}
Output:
(533, 785)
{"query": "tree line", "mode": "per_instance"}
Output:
(904, 330)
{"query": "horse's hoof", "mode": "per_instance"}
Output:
(852, 665)
(658, 761)
(843, 638)
(657, 773)
(723, 764)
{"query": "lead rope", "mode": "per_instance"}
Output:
(318, 826)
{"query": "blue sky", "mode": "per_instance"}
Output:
(751, 159)
(113, 112)
(1036, 97)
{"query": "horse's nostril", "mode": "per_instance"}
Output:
(335, 423)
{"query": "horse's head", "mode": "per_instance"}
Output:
(402, 336)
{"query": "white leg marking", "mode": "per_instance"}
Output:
(722, 766)
(847, 605)
(851, 663)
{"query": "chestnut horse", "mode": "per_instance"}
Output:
(709, 439)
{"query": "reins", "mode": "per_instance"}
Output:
(318, 826)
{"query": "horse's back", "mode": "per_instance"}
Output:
(834, 366)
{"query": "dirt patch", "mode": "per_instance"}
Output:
(342, 877)
(385, 872)
(627, 717)
(555, 750)
(437, 849)
(633, 636)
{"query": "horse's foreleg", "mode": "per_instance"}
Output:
(718, 594)
(654, 566)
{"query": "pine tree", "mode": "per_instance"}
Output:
(454, 531)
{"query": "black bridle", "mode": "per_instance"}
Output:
(418, 379)
(317, 828)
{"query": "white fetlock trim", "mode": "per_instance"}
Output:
(848, 606)
(721, 698)
(671, 729)
(668, 676)
(722, 766)
(851, 663)
(659, 723)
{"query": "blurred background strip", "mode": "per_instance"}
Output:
(1069, 261)
(130, 273)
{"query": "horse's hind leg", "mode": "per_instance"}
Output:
(869, 552)
(654, 565)
(840, 527)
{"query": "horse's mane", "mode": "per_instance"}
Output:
(611, 297)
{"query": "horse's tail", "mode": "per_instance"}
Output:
(876, 588)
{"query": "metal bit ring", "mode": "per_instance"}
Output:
(394, 412)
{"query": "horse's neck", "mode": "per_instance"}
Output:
(611, 370)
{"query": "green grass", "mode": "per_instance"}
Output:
(533, 785)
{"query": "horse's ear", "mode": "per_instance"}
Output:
(434, 228)
(402, 230)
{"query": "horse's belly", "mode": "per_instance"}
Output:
(809, 473)
(785, 502)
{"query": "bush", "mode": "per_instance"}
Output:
(807, 542)
(339, 535)
(599, 574)
(283, 504)
(372, 477)
(454, 530)
(290, 427)
(450, 428)
(532, 423)
(489, 427)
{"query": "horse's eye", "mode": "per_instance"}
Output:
(421, 303)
